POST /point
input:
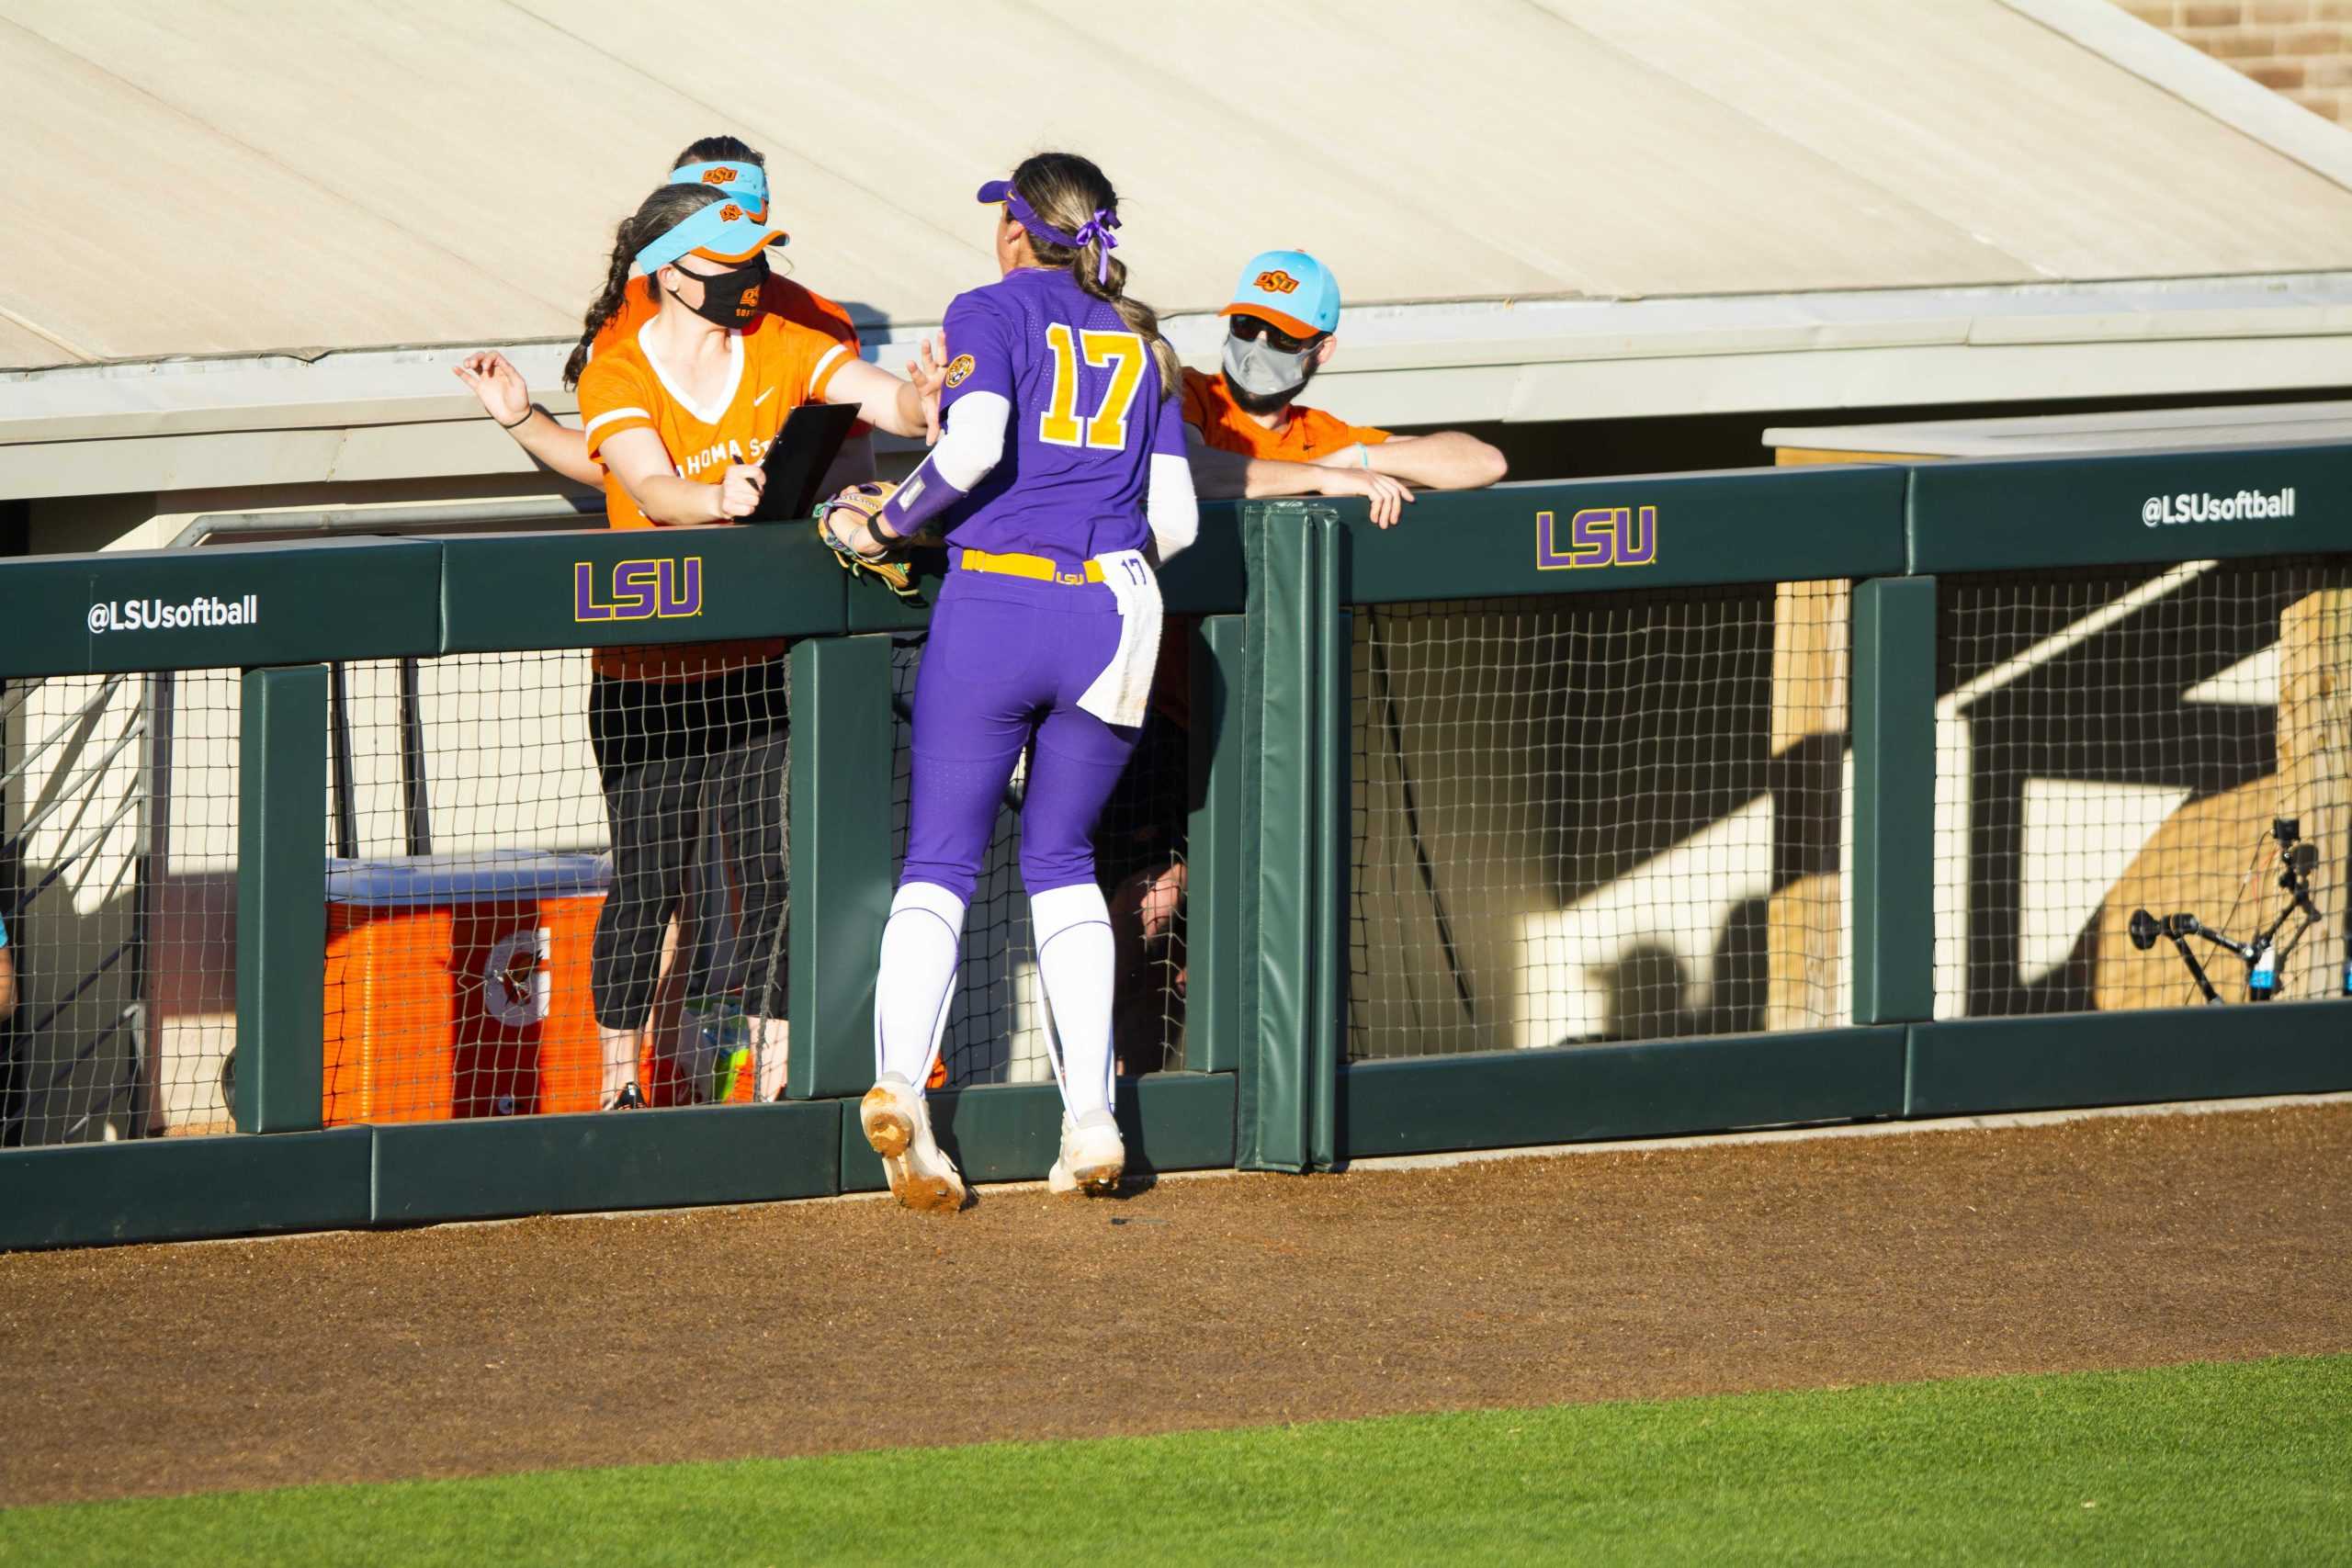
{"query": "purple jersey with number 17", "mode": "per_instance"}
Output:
(1088, 413)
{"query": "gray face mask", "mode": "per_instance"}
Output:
(1262, 370)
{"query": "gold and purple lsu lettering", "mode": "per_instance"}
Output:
(1598, 536)
(640, 591)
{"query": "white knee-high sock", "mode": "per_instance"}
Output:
(1075, 959)
(920, 949)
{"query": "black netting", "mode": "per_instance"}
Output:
(2118, 741)
(488, 952)
(117, 887)
(1594, 820)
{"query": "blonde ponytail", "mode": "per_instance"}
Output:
(1067, 191)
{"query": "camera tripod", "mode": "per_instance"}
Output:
(2260, 956)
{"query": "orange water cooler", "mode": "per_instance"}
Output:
(457, 986)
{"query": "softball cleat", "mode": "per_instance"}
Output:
(1093, 1155)
(897, 1125)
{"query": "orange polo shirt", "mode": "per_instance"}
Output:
(1209, 407)
(777, 364)
(1310, 434)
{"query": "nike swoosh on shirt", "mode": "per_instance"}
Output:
(764, 397)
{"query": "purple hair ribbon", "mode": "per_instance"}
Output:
(1098, 228)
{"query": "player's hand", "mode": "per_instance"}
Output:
(847, 535)
(842, 528)
(928, 371)
(842, 521)
(1161, 899)
(504, 395)
(739, 492)
(1388, 497)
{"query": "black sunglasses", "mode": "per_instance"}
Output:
(1249, 328)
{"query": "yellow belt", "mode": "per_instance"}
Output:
(1038, 569)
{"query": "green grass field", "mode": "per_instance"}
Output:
(2241, 1464)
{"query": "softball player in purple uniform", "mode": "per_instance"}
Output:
(1061, 474)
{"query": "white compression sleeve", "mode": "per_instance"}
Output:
(920, 949)
(1169, 506)
(1071, 926)
(972, 441)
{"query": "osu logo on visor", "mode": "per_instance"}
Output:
(1277, 282)
(718, 176)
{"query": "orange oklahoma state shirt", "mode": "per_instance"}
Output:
(776, 367)
(778, 296)
(1209, 407)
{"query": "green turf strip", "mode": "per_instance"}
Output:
(2241, 1464)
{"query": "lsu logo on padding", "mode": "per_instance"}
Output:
(959, 369)
(719, 176)
(1598, 535)
(1277, 282)
(640, 590)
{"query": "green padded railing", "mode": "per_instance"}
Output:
(1267, 1084)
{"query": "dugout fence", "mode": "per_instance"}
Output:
(1628, 807)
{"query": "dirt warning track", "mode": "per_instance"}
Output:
(812, 1327)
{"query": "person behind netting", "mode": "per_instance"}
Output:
(7, 976)
(726, 164)
(1062, 463)
(679, 415)
(1139, 863)
(1249, 436)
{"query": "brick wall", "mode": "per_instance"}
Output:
(2302, 49)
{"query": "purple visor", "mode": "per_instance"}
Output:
(1097, 228)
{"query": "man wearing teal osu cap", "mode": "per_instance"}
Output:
(1247, 435)
(1250, 436)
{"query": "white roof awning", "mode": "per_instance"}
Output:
(1538, 211)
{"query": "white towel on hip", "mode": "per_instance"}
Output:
(1118, 694)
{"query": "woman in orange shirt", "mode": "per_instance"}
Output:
(678, 415)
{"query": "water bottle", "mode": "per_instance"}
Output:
(2262, 981)
(721, 1050)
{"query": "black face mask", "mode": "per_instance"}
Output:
(729, 298)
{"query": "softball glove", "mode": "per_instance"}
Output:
(863, 503)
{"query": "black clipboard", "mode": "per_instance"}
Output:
(798, 458)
